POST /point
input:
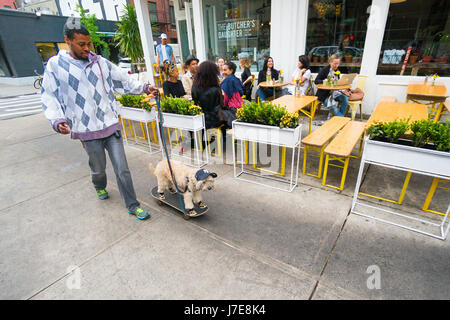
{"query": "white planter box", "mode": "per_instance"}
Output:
(267, 134)
(137, 114)
(413, 158)
(190, 123)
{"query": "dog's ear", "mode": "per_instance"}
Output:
(213, 174)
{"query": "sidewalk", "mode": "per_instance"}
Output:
(254, 243)
(8, 91)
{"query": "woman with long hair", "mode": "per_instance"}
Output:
(207, 94)
(268, 69)
(246, 77)
(302, 74)
(220, 63)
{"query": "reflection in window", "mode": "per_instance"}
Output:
(46, 50)
(421, 28)
(337, 27)
(235, 29)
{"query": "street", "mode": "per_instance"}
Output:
(20, 106)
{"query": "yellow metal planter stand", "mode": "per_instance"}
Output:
(430, 195)
(283, 161)
(402, 194)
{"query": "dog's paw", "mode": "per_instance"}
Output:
(202, 205)
(162, 196)
(192, 212)
(172, 190)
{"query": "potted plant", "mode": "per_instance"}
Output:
(322, 58)
(315, 58)
(182, 114)
(422, 146)
(267, 123)
(428, 54)
(348, 56)
(136, 107)
(413, 56)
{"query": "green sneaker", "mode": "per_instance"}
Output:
(140, 213)
(102, 194)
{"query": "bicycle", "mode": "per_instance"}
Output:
(38, 81)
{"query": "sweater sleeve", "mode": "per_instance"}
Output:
(122, 82)
(51, 106)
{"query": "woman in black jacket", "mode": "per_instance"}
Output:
(268, 69)
(207, 94)
(337, 96)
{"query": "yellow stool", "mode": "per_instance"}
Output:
(430, 195)
(217, 132)
(353, 105)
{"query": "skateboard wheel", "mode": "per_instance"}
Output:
(159, 202)
(186, 217)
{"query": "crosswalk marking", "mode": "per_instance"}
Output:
(20, 106)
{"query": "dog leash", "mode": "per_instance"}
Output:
(163, 139)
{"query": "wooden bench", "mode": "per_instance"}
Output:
(341, 147)
(318, 138)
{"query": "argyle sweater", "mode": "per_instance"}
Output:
(82, 94)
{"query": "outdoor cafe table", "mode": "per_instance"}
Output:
(420, 91)
(273, 85)
(295, 104)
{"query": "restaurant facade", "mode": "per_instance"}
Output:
(391, 41)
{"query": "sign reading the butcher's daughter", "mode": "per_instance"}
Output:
(237, 28)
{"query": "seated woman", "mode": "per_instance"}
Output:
(233, 91)
(172, 87)
(329, 98)
(303, 73)
(207, 94)
(268, 69)
(246, 77)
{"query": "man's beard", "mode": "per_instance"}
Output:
(80, 57)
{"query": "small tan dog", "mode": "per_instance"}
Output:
(191, 182)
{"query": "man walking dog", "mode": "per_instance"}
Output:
(78, 98)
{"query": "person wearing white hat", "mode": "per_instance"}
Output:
(164, 51)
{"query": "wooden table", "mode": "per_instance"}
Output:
(437, 94)
(295, 104)
(273, 85)
(332, 88)
(390, 111)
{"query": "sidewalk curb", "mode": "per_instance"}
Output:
(19, 95)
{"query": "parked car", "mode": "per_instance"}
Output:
(125, 63)
(326, 51)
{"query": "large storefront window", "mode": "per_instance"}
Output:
(337, 27)
(422, 29)
(235, 29)
(46, 50)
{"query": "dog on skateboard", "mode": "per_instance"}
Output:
(190, 181)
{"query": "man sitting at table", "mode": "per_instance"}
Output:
(187, 79)
(331, 98)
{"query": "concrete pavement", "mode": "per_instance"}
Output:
(58, 241)
(7, 91)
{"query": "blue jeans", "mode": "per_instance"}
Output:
(343, 102)
(262, 94)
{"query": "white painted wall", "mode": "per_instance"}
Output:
(289, 20)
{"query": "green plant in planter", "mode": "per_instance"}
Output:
(395, 129)
(267, 114)
(390, 131)
(440, 136)
(421, 131)
(132, 101)
(180, 106)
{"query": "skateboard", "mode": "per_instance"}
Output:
(173, 201)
